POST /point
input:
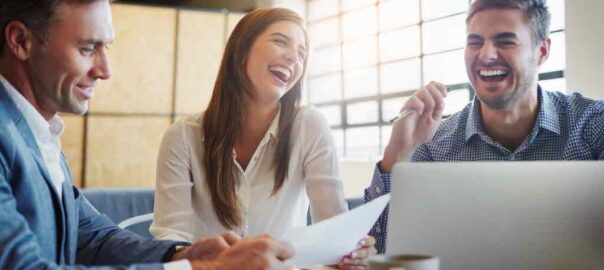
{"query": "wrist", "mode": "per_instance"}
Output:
(394, 154)
(179, 253)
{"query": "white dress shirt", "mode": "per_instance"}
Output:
(183, 208)
(46, 133)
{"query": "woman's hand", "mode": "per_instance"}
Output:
(359, 258)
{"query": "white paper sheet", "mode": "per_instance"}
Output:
(327, 241)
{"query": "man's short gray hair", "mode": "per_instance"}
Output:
(535, 12)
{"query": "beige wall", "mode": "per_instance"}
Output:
(584, 50)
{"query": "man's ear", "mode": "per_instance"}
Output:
(19, 39)
(544, 48)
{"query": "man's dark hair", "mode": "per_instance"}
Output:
(35, 14)
(535, 12)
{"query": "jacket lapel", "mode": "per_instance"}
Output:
(28, 137)
(71, 214)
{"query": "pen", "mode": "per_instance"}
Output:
(405, 112)
(401, 115)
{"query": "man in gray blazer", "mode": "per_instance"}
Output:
(52, 53)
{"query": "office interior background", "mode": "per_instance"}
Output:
(367, 57)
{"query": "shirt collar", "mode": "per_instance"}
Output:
(547, 117)
(43, 130)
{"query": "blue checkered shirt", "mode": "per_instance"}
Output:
(568, 127)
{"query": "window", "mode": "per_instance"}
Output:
(369, 56)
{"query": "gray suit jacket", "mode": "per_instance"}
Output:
(40, 231)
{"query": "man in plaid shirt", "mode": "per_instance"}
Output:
(511, 116)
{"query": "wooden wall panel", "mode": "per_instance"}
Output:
(200, 48)
(122, 151)
(142, 59)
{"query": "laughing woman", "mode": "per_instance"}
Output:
(254, 160)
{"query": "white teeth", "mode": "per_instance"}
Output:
(281, 70)
(496, 72)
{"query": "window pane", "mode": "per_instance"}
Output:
(362, 113)
(444, 34)
(556, 8)
(333, 114)
(360, 82)
(319, 9)
(447, 68)
(325, 60)
(386, 132)
(355, 4)
(338, 136)
(391, 107)
(360, 53)
(326, 88)
(397, 13)
(325, 32)
(557, 54)
(554, 85)
(362, 143)
(399, 76)
(400, 44)
(432, 9)
(456, 100)
(359, 23)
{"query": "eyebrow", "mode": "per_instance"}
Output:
(288, 39)
(506, 35)
(95, 42)
(474, 36)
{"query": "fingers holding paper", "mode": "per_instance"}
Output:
(359, 258)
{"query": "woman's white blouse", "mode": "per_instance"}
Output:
(183, 209)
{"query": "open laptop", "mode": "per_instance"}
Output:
(500, 215)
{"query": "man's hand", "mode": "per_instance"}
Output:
(255, 253)
(207, 249)
(359, 259)
(418, 127)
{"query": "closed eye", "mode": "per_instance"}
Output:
(506, 43)
(87, 50)
(280, 42)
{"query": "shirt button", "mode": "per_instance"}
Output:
(378, 190)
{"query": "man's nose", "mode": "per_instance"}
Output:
(101, 69)
(488, 53)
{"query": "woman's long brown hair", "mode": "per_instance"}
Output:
(223, 118)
